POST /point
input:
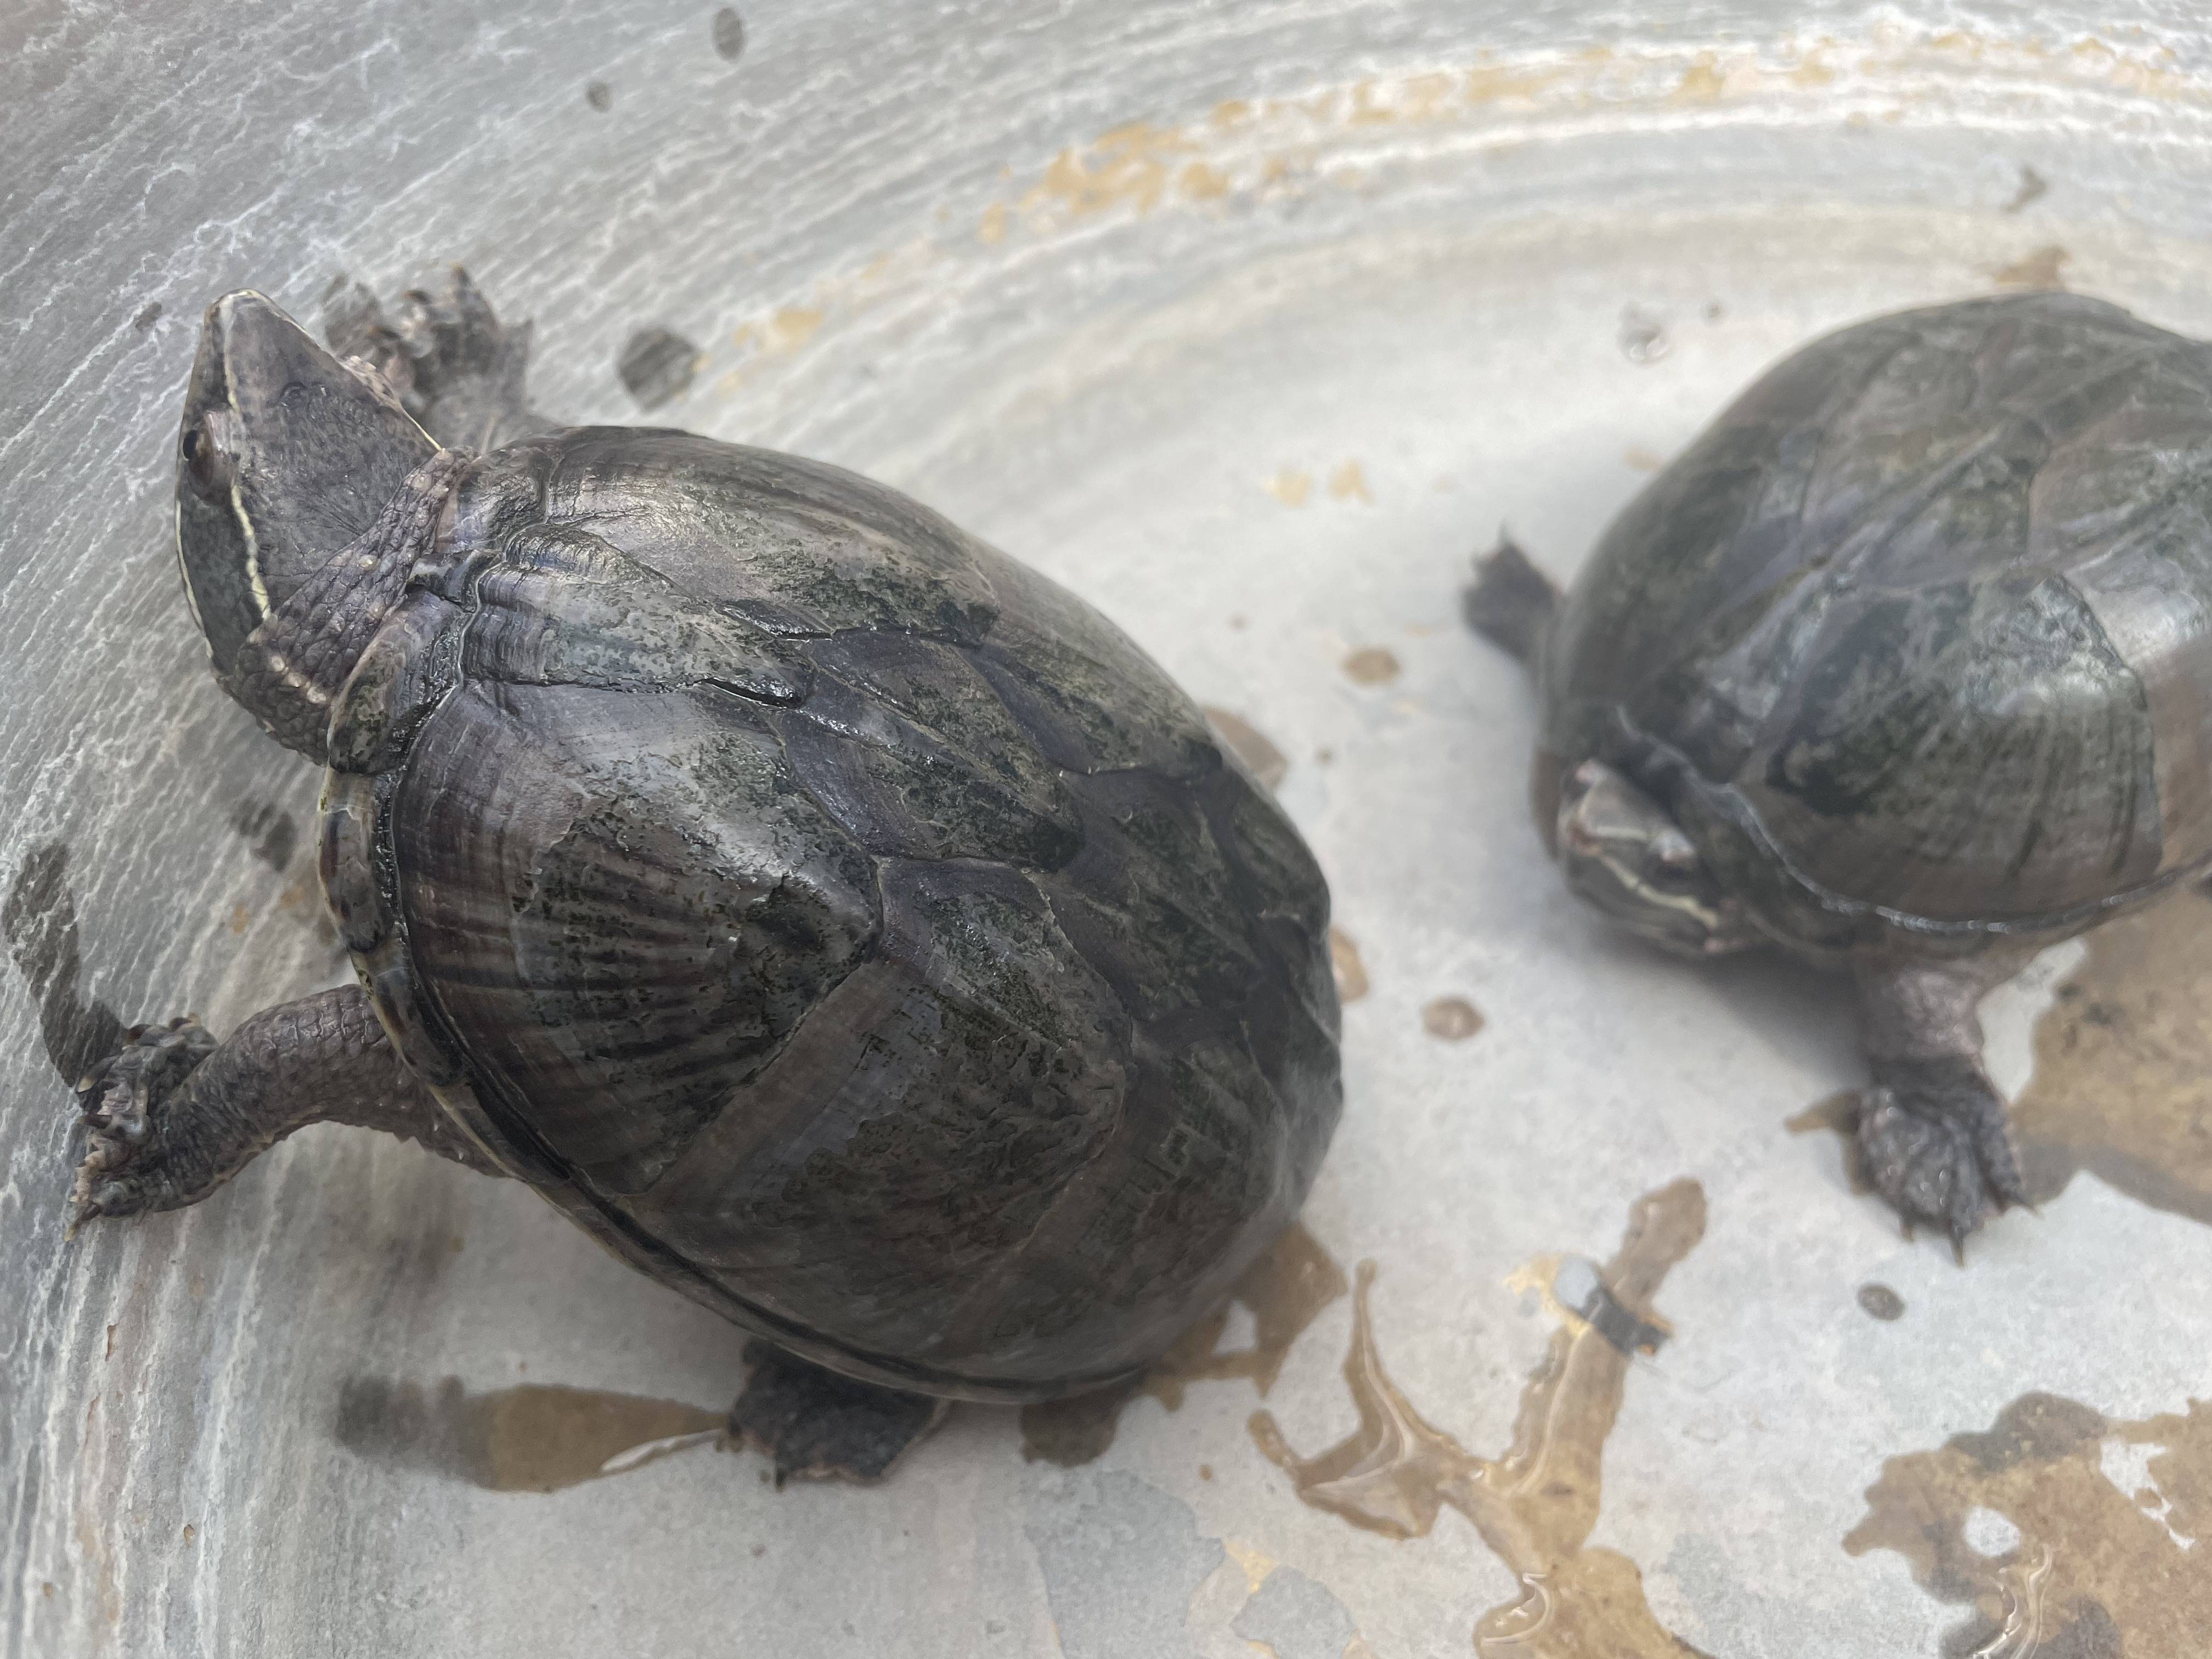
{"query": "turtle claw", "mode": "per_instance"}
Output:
(1937, 1165)
(120, 1101)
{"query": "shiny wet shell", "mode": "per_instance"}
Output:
(847, 926)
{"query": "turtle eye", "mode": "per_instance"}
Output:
(203, 462)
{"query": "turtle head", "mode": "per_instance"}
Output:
(1625, 856)
(284, 455)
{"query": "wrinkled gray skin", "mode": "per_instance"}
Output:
(846, 926)
(1906, 665)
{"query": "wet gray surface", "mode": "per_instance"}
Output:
(1250, 322)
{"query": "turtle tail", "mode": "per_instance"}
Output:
(1510, 602)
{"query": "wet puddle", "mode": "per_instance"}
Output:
(2061, 1528)
(1536, 1505)
(1284, 1290)
(537, 1438)
(2122, 1082)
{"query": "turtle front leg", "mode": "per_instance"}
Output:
(176, 1113)
(817, 1424)
(1934, 1135)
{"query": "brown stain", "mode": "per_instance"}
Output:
(2039, 268)
(2122, 1080)
(1344, 961)
(1286, 1291)
(1251, 745)
(1452, 1019)
(535, 1438)
(1536, 1505)
(1371, 664)
(1291, 486)
(2097, 1573)
(1838, 1113)
(1349, 484)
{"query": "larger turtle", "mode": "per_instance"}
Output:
(1905, 665)
(843, 924)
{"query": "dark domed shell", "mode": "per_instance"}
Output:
(844, 923)
(1916, 632)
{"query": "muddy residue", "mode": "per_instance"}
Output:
(2098, 1571)
(1344, 961)
(2038, 270)
(532, 1439)
(1284, 1290)
(1371, 664)
(1349, 484)
(600, 96)
(40, 922)
(1535, 1506)
(1452, 1019)
(2123, 1081)
(1249, 744)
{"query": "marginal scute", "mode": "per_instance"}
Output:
(402, 673)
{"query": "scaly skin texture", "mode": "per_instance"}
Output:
(175, 1114)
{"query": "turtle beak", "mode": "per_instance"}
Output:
(1624, 855)
(284, 455)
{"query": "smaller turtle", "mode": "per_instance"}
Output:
(845, 926)
(1905, 666)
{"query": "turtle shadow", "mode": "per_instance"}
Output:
(38, 921)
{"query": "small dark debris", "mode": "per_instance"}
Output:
(729, 34)
(1881, 1301)
(1715, 311)
(599, 95)
(2032, 186)
(149, 314)
(759, 1550)
(657, 365)
(1618, 1324)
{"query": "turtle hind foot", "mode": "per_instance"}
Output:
(457, 369)
(122, 1099)
(1510, 602)
(1935, 1141)
(817, 1425)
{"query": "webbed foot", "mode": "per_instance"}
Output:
(1934, 1140)
(457, 369)
(816, 1425)
(122, 1099)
